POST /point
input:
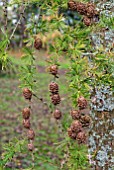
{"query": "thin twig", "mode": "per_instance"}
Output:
(5, 14)
(41, 99)
(17, 24)
(33, 159)
(21, 16)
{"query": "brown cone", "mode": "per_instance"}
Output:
(72, 5)
(82, 103)
(91, 11)
(71, 134)
(27, 93)
(75, 114)
(87, 21)
(30, 147)
(31, 134)
(81, 8)
(26, 113)
(26, 123)
(81, 137)
(38, 43)
(53, 70)
(76, 126)
(55, 99)
(85, 120)
(53, 88)
(57, 114)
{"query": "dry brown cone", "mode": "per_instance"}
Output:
(81, 8)
(81, 137)
(26, 123)
(87, 21)
(82, 103)
(27, 94)
(76, 126)
(57, 114)
(38, 43)
(26, 113)
(91, 11)
(75, 114)
(71, 134)
(55, 99)
(85, 120)
(31, 134)
(53, 70)
(53, 88)
(72, 5)
(30, 147)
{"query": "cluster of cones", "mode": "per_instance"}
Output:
(87, 9)
(54, 90)
(76, 130)
(26, 119)
(27, 93)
